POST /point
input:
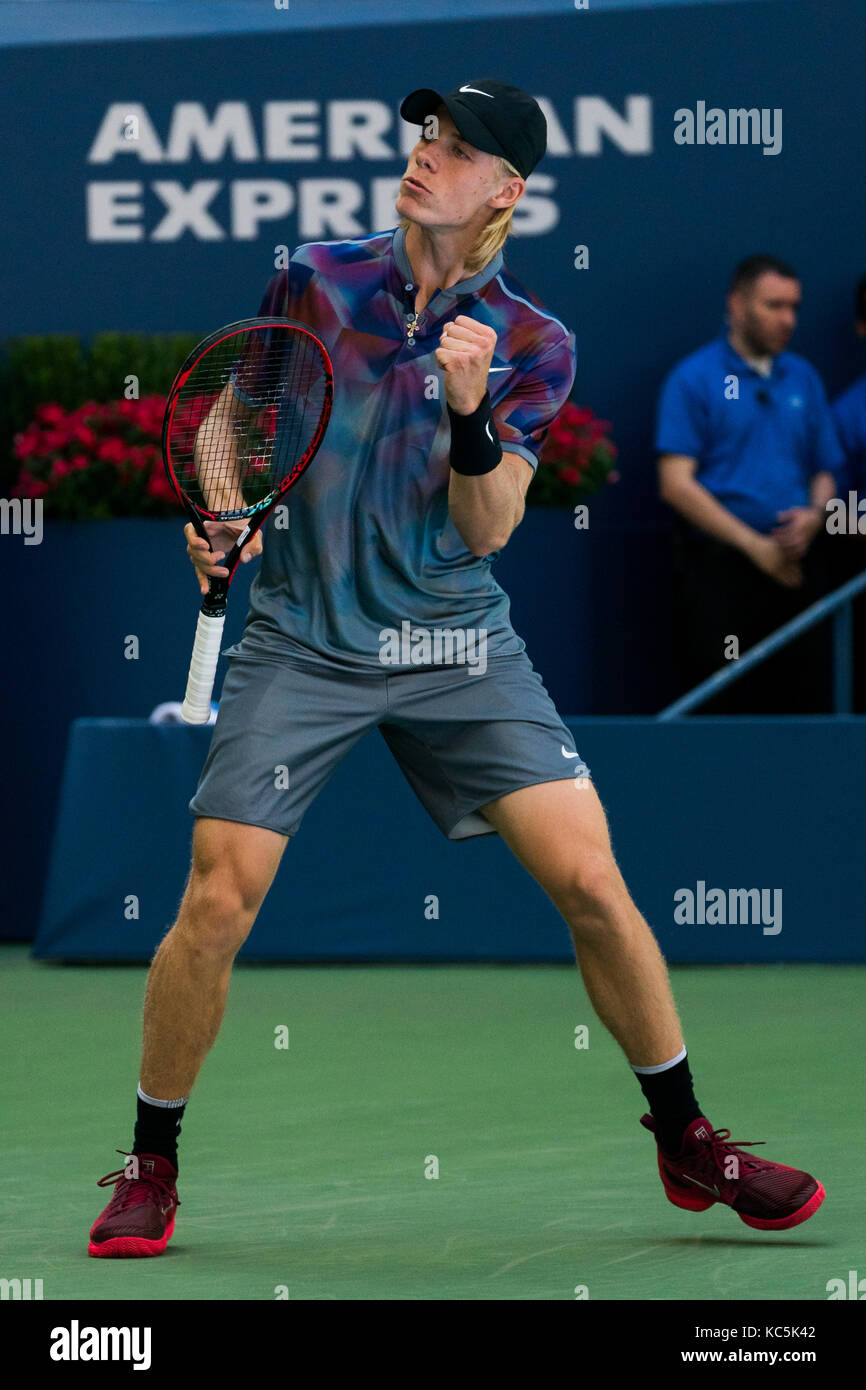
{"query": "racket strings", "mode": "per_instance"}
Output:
(246, 416)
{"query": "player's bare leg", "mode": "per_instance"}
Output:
(233, 866)
(559, 833)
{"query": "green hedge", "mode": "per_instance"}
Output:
(58, 367)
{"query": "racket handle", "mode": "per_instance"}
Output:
(202, 669)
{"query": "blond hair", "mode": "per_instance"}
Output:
(492, 237)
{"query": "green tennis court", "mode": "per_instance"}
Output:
(304, 1168)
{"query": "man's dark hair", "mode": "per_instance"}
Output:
(860, 300)
(749, 270)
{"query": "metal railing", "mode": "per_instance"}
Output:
(837, 604)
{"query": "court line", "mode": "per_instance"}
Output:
(523, 1259)
(620, 1259)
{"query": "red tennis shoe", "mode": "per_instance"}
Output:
(139, 1219)
(710, 1168)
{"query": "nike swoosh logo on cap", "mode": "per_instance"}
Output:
(498, 369)
(477, 91)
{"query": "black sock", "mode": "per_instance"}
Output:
(157, 1129)
(672, 1103)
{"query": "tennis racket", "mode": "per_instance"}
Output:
(244, 418)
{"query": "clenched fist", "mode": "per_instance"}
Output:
(465, 352)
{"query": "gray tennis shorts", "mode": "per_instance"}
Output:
(461, 738)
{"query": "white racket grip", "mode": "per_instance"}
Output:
(202, 669)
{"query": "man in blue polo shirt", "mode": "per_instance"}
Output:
(747, 458)
(849, 413)
(847, 550)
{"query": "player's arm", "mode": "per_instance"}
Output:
(217, 468)
(217, 425)
(215, 452)
(487, 486)
(486, 509)
(679, 487)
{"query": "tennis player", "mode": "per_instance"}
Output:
(448, 374)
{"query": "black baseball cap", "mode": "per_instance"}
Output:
(491, 115)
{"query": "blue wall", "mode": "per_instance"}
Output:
(65, 20)
(693, 806)
(663, 224)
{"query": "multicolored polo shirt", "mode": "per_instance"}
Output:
(370, 545)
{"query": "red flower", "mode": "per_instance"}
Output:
(50, 414)
(578, 453)
(55, 439)
(26, 443)
(120, 438)
(112, 450)
(159, 487)
(30, 487)
(599, 428)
